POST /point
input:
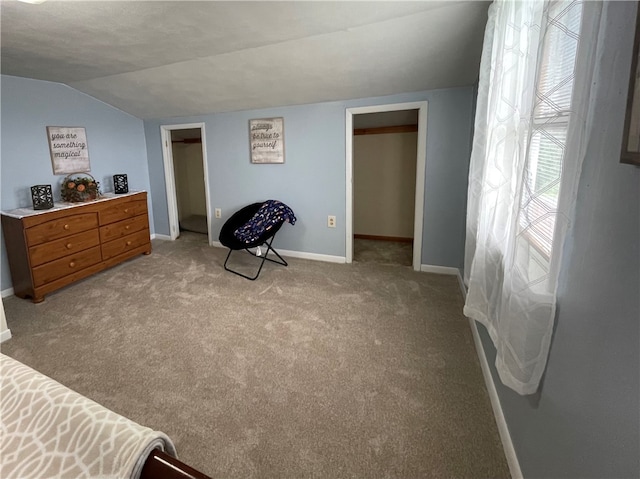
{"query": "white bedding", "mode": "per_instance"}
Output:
(50, 431)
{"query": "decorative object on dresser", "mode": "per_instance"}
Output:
(120, 184)
(51, 249)
(76, 189)
(42, 197)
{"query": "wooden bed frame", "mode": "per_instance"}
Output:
(162, 466)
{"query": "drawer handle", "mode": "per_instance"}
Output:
(67, 227)
(128, 243)
(69, 245)
(72, 264)
(126, 210)
(127, 227)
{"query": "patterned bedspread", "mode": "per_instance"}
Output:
(50, 431)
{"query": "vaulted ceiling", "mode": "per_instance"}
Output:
(158, 59)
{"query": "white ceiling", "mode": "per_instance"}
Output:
(180, 58)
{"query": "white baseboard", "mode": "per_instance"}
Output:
(6, 292)
(300, 254)
(463, 288)
(428, 268)
(5, 335)
(503, 429)
(160, 237)
(327, 258)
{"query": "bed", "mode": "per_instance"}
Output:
(49, 431)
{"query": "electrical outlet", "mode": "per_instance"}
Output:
(218, 213)
(331, 221)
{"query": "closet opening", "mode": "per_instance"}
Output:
(385, 178)
(186, 179)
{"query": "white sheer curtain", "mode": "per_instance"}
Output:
(536, 70)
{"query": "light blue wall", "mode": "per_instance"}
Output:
(585, 420)
(312, 180)
(115, 140)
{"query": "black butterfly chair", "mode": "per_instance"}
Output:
(228, 238)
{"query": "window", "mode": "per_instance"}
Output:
(548, 134)
(532, 122)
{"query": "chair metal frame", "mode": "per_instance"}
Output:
(264, 258)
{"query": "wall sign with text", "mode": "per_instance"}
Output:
(69, 151)
(266, 140)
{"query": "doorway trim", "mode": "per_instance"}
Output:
(421, 160)
(170, 179)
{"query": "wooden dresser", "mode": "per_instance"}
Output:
(52, 248)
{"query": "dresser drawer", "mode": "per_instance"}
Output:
(60, 228)
(122, 210)
(124, 244)
(43, 253)
(123, 228)
(64, 266)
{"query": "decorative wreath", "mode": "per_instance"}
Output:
(77, 189)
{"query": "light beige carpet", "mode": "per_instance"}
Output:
(316, 370)
(383, 252)
(194, 223)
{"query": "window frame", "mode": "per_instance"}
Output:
(540, 122)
